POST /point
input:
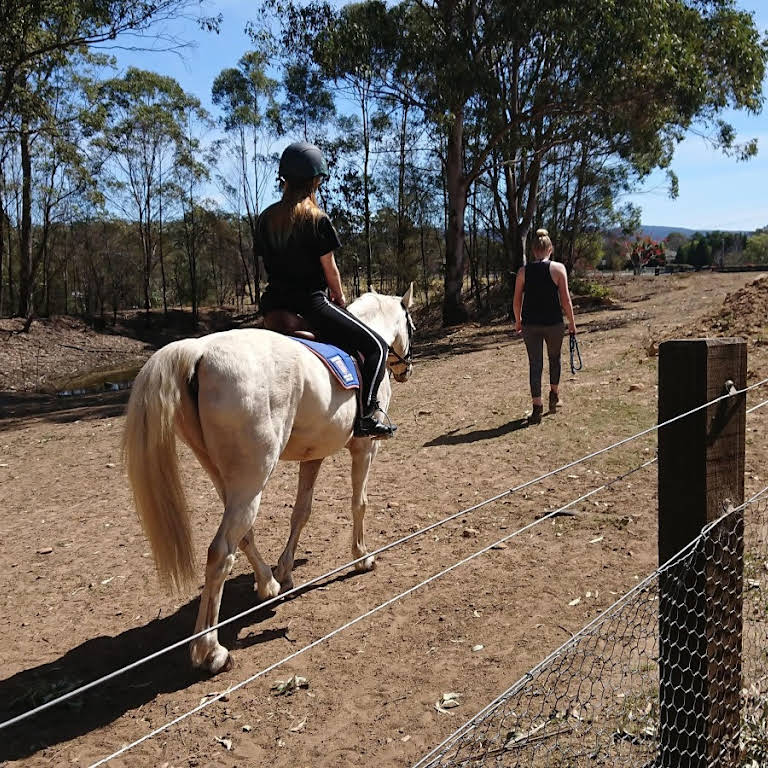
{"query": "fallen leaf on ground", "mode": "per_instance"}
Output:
(289, 686)
(299, 726)
(226, 743)
(575, 601)
(447, 701)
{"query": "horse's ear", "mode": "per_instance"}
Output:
(407, 299)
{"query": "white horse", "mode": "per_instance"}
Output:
(242, 400)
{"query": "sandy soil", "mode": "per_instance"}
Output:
(79, 594)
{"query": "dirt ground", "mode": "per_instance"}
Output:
(79, 596)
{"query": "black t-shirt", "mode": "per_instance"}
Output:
(296, 265)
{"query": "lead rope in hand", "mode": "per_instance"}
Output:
(576, 364)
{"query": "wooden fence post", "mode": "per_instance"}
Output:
(701, 467)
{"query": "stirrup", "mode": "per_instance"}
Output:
(370, 426)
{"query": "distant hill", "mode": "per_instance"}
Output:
(659, 233)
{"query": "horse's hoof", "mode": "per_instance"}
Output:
(271, 590)
(218, 659)
(366, 565)
(286, 585)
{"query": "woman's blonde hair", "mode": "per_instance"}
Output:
(542, 243)
(297, 206)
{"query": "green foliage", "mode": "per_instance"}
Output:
(580, 286)
(37, 35)
(712, 248)
(756, 251)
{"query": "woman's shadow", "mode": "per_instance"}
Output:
(100, 656)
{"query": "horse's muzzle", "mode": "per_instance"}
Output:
(404, 376)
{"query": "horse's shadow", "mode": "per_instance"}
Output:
(102, 655)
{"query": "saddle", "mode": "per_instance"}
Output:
(288, 323)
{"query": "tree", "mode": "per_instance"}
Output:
(550, 73)
(355, 49)
(142, 122)
(756, 251)
(308, 103)
(34, 32)
(246, 96)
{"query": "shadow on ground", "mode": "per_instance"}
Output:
(18, 409)
(100, 656)
(455, 438)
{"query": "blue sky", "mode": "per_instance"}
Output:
(716, 192)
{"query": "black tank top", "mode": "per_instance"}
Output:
(541, 301)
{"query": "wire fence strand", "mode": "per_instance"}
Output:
(369, 613)
(594, 700)
(333, 572)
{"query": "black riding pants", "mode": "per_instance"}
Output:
(334, 325)
(535, 336)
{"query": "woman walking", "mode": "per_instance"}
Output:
(297, 240)
(541, 297)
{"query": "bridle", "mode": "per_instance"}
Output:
(407, 359)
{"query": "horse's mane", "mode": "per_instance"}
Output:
(367, 305)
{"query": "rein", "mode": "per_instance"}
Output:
(576, 364)
(406, 360)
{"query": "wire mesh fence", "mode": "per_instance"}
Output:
(675, 673)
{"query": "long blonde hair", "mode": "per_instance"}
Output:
(542, 244)
(297, 206)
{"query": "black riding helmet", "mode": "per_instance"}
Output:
(302, 160)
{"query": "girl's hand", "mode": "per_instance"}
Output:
(339, 299)
(572, 328)
(518, 326)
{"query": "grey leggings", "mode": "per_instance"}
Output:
(534, 337)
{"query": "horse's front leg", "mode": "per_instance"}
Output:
(363, 452)
(308, 471)
(266, 586)
(239, 516)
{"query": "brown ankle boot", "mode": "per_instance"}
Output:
(535, 417)
(554, 401)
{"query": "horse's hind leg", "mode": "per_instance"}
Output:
(239, 516)
(301, 510)
(363, 452)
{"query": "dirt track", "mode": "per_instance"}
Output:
(93, 602)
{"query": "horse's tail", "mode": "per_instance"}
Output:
(149, 453)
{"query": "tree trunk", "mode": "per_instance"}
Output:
(454, 311)
(25, 242)
(160, 239)
(400, 260)
(366, 195)
(2, 243)
(425, 275)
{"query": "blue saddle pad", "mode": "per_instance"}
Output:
(338, 362)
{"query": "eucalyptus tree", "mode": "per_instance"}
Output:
(45, 157)
(492, 74)
(250, 114)
(141, 121)
(190, 170)
(355, 48)
(33, 32)
(307, 104)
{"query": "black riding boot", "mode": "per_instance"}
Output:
(370, 425)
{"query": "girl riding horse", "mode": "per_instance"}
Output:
(296, 241)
